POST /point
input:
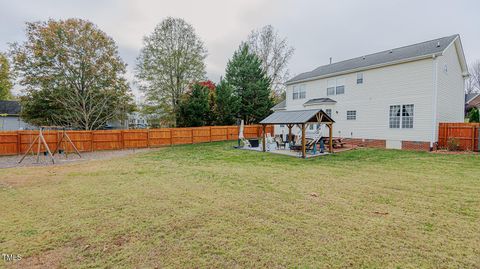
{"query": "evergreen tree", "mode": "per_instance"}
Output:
(5, 79)
(474, 115)
(251, 85)
(226, 105)
(194, 108)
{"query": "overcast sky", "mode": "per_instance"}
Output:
(316, 29)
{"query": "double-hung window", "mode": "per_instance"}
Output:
(302, 92)
(340, 89)
(331, 87)
(299, 92)
(401, 116)
(335, 86)
(359, 78)
(328, 111)
(407, 116)
(295, 93)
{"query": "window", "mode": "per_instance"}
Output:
(295, 93)
(299, 92)
(351, 115)
(328, 111)
(359, 78)
(311, 126)
(302, 93)
(331, 87)
(401, 115)
(394, 116)
(340, 89)
(336, 86)
(407, 116)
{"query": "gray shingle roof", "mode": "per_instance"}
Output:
(280, 106)
(412, 51)
(10, 107)
(294, 117)
(319, 101)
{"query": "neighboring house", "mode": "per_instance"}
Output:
(10, 116)
(393, 99)
(472, 100)
(136, 120)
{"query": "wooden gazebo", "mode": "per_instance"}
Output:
(299, 118)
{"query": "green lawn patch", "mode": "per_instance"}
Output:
(209, 205)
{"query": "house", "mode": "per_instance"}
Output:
(10, 116)
(472, 100)
(392, 99)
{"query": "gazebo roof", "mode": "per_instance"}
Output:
(298, 117)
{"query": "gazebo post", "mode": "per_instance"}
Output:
(330, 133)
(289, 133)
(264, 137)
(304, 153)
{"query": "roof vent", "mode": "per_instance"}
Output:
(438, 44)
(363, 57)
(391, 51)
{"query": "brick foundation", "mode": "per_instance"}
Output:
(369, 143)
(380, 143)
(416, 145)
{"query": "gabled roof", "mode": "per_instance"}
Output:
(320, 101)
(11, 108)
(411, 52)
(296, 117)
(280, 106)
(470, 96)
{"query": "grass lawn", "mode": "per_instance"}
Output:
(209, 205)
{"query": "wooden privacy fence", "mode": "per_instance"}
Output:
(465, 133)
(17, 142)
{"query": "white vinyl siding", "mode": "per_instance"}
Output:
(450, 87)
(400, 84)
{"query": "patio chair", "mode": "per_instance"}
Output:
(280, 142)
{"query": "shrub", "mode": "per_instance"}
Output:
(453, 144)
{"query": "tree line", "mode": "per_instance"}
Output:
(71, 74)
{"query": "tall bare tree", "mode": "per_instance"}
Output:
(172, 57)
(274, 52)
(72, 73)
(472, 84)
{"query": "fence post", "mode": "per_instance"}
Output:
(91, 141)
(171, 136)
(148, 138)
(473, 138)
(18, 142)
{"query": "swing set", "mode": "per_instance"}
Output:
(61, 147)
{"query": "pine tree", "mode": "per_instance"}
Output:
(226, 105)
(194, 108)
(251, 85)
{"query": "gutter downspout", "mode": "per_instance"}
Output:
(435, 95)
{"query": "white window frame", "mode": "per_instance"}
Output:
(299, 92)
(294, 93)
(402, 120)
(336, 86)
(328, 111)
(359, 78)
(351, 115)
(302, 93)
